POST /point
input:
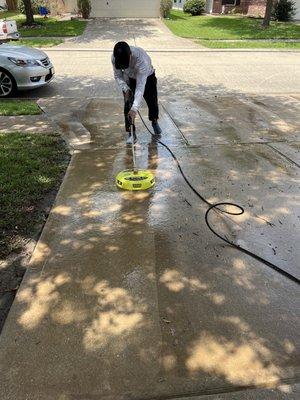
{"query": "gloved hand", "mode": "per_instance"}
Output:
(131, 116)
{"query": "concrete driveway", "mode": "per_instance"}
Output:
(148, 33)
(129, 295)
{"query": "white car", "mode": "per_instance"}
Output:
(23, 68)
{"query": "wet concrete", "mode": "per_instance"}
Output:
(291, 393)
(86, 124)
(289, 150)
(67, 115)
(28, 124)
(262, 181)
(229, 119)
(130, 296)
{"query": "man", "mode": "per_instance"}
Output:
(135, 75)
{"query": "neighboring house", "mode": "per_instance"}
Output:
(178, 3)
(118, 8)
(249, 7)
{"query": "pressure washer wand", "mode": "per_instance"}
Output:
(132, 128)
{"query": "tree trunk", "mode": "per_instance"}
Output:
(11, 5)
(268, 14)
(28, 12)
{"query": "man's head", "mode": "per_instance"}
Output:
(122, 55)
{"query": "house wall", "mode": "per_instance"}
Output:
(178, 4)
(218, 6)
(257, 7)
(63, 6)
(297, 5)
(250, 7)
(71, 5)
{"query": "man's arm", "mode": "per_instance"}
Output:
(119, 78)
(141, 79)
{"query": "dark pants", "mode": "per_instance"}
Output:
(150, 96)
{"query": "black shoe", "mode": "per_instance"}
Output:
(156, 128)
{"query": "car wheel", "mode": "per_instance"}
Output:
(7, 84)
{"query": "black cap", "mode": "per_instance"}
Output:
(122, 54)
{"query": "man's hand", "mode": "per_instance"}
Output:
(127, 95)
(131, 116)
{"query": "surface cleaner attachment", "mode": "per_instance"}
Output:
(135, 179)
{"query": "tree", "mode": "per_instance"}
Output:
(165, 7)
(11, 5)
(84, 8)
(28, 12)
(284, 10)
(268, 14)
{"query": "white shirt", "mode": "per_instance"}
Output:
(140, 67)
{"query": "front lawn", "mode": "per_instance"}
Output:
(249, 44)
(31, 166)
(52, 27)
(228, 27)
(19, 107)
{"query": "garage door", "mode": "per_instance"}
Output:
(125, 8)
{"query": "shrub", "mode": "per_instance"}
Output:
(284, 10)
(84, 8)
(165, 7)
(194, 7)
(35, 4)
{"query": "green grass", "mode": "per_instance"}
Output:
(31, 166)
(228, 27)
(49, 26)
(19, 107)
(37, 42)
(252, 44)
(10, 14)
